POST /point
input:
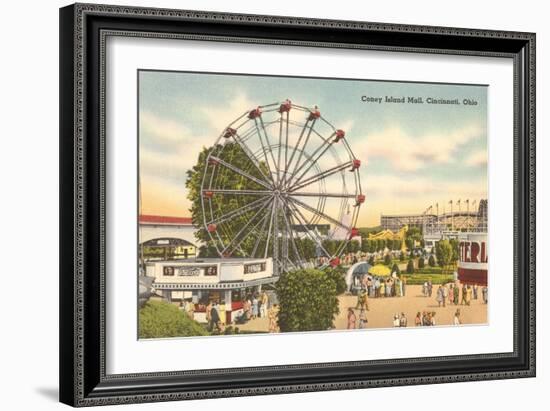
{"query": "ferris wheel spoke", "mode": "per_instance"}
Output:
(268, 143)
(251, 157)
(240, 172)
(270, 228)
(327, 143)
(237, 191)
(334, 195)
(291, 234)
(319, 176)
(319, 213)
(302, 132)
(237, 212)
(264, 150)
(276, 231)
(279, 149)
(260, 234)
(302, 151)
(300, 217)
(232, 245)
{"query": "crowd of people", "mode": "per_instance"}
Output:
(254, 306)
(455, 294)
(381, 287)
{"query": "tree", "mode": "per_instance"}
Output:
(308, 300)
(337, 274)
(330, 246)
(387, 259)
(454, 245)
(228, 179)
(410, 267)
(395, 269)
(353, 246)
(401, 256)
(307, 246)
(396, 245)
(431, 261)
(371, 260)
(421, 262)
(159, 319)
(414, 234)
(372, 246)
(444, 252)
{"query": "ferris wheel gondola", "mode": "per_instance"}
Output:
(279, 179)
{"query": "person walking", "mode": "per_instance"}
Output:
(418, 319)
(273, 318)
(485, 294)
(190, 308)
(468, 295)
(403, 320)
(428, 320)
(215, 318)
(362, 300)
(430, 288)
(370, 287)
(255, 311)
(396, 322)
(456, 319)
(382, 288)
(425, 289)
(352, 319)
(451, 294)
(265, 304)
(209, 313)
(456, 293)
(464, 292)
(403, 285)
(440, 298)
(475, 291)
(362, 319)
(425, 319)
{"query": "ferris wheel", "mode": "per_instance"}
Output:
(282, 182)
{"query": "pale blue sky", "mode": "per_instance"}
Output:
(414, 154)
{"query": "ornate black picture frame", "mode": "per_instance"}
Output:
(83, 30)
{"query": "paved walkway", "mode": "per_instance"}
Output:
(382, 311)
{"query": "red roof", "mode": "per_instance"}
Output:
(159, 219)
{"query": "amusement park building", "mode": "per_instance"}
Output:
(152, 227)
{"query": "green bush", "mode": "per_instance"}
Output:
(387, 259)
(410, 267)
(418, 279)
(402, 256)
(431, 261)
(337, 274)
(395, 269)
(444, 252)
(308, 300)
(371, 260)
(159, 319)
(421, 263)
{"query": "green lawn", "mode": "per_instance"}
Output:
(421, 277)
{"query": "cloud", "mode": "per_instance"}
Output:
(219, 117)
(477, 159)
(407, 153)
(162, 131)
